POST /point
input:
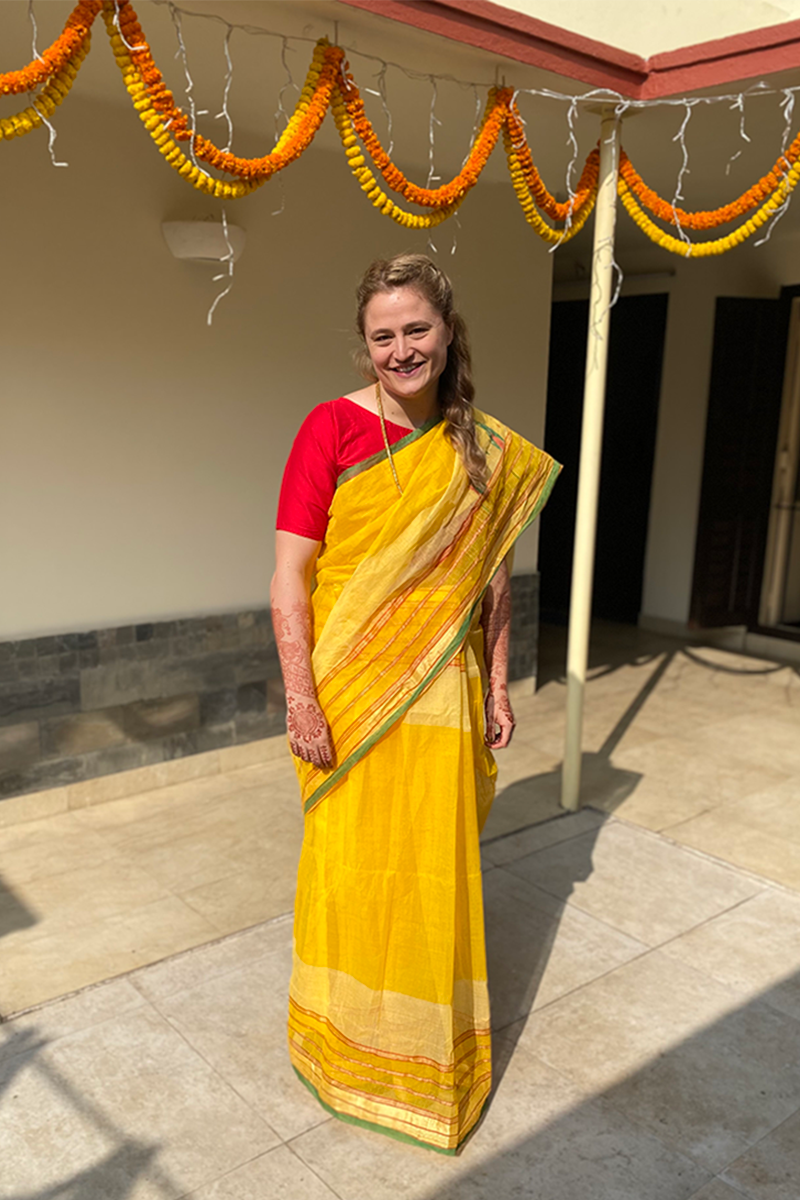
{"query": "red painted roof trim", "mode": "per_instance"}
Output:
(511, 34)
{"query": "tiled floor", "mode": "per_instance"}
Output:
(644, 969)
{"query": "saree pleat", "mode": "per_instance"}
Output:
(389, 1010)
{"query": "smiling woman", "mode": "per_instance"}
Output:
(402, 501)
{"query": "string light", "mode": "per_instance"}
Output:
(228, 258)
(34, 32)
(224, 114)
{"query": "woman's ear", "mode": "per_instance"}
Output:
(450, 334)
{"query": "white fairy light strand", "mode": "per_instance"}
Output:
(280, 111)
(131, 49)
(380, 92)
(738, 104)
(34, 32)
(176, 15)
(680, 138)
(229, 274)
(433, 121)
(787, 104)
(224, 114)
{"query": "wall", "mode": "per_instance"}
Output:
(747, 271)
(142, 451)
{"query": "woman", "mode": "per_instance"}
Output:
(402, 502)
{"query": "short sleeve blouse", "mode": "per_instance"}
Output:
(334, 436)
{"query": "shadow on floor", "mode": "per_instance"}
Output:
(120, 1171)
(722, 1104)
(514, 976)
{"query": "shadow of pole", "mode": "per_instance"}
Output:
(116, 1175)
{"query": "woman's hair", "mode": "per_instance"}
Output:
(456, 389)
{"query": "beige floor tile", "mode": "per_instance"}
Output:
(238, 1023)
(770, 1170)
(539, 949)
(723, 1089)
(775, 811)
(719, 834)
(46, 967)
(754, 948)
(46, 1025)
(560, 827)
(634, 881)
(277, 1175)
(125, 1108)
(250, 896)
(203, 963)
(89, 895)
(653, 802)
(35, 806)
(185, 862)
(620, 1023)
(49, 847)
(765, 739)
(539, 1138)
(717, 776)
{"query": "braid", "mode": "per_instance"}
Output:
(456, 389)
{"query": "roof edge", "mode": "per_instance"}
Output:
(511, 34)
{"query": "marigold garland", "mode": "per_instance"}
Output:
(718, 245)
(528, 202)
(587, 184)
(368, 183)
(329, 84)
(53, 60)
(712, 218)
(494, 116)
(48, 99)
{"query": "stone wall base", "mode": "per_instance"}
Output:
(158, 703)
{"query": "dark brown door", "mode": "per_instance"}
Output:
(635, 354)
(741, 430)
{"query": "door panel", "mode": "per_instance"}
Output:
(741, 431)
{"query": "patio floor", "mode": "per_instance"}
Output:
(644, 968)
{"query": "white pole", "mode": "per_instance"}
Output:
(580, 609)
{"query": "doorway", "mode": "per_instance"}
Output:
(635, 356)
(780, 593)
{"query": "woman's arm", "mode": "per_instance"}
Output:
(496, 622)
(309, 736)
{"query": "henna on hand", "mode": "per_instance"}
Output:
(496, 623)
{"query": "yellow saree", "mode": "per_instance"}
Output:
(389, 1007)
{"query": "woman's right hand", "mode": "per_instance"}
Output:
(309, 735)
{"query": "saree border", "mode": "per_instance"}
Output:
(339, 772)
(387, 1130)
(412, 436)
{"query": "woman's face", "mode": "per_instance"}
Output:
(407, 341)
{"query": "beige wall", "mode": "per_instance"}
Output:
(141, 452)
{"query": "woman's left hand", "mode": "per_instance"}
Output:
(499, 717)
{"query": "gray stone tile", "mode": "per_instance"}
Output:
(61, 1019)
(33, 699)
(771, 1169)
(635, 881)
(80, 733)
(277, 1175)
(19, 745)
(754, 948)
(539, 949)
(146, 719)
(721, 1091)
(138, 1113)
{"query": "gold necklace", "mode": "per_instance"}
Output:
(385, 435)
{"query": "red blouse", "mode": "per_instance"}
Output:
(334, 436)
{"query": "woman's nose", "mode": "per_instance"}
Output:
(402, 350)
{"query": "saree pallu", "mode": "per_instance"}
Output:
(389, 1007)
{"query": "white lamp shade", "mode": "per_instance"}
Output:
(202, 241)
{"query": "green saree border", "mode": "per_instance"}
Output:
(359, 753)
(378, 733)
(412, 436)
(384, 1129)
